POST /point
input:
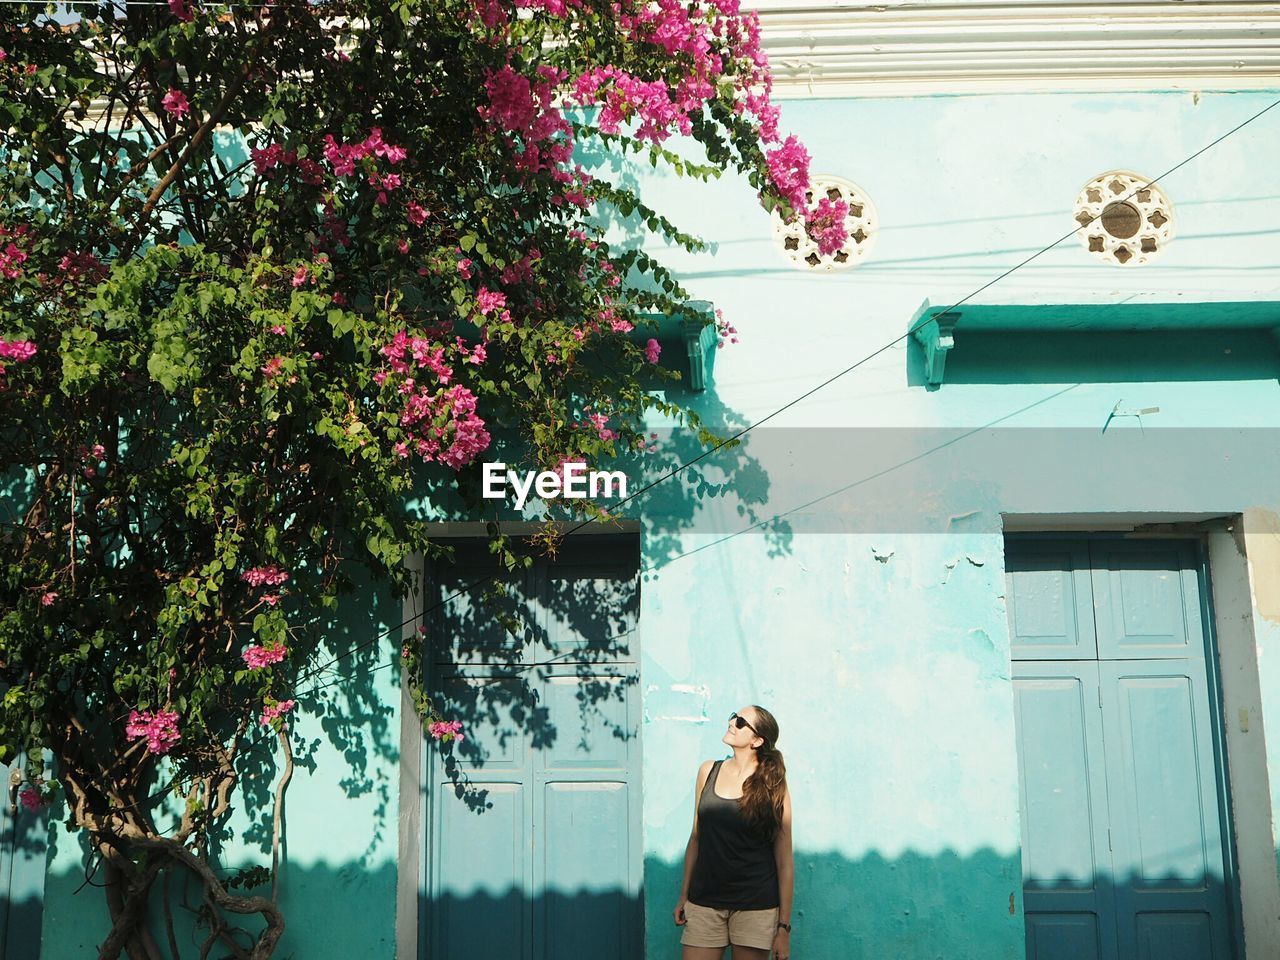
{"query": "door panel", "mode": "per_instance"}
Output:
(23, 866)
(1050, 601)
(535, 849)
(1067, 891)
(1123, 849)
(1168, 857)
(593, 728)
(1063, 936)
(1147, 600)
(1177, 936)
(586, 867)
(506, 703)
(484, 913)
(591, 602)
(590, 865)
(464, 626)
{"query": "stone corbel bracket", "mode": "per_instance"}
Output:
(699, 335)
(695, 330)
(935, 332)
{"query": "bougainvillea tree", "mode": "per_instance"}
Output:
(268, 273)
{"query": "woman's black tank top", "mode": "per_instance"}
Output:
(736, 868)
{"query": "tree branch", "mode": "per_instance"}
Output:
(277, 824)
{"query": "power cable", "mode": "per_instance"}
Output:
(804, 396)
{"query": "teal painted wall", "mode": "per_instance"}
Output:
(870, 618)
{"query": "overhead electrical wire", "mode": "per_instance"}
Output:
(421, 615)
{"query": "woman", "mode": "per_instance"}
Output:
(738, 873)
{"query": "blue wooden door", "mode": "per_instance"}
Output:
(1120, 764)
(534, 842)
(1068, 890)
(22, 870)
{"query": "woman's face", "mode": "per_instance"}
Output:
(736, 736)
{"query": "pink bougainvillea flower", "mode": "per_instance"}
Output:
(511, 99)
(446, 730)
(48, 599)
(491, 13)
(417, 213)
(159, 728)
(32, 796)
(271, 368)
(380, 148)
(652, 350)
(476, 355)
(18, 351)
(271, 576)
(789, 171)
(826, 225)
(464, 268)
(268, 157)
(175, 102)
(343, 157)
(598, 421)
(488, 300)
(181, 9)
(274, 711)
(12, 257)
(258, 657)
(300, 276)
(443, 426)
(77, 266)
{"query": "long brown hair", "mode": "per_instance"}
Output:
(764, 790)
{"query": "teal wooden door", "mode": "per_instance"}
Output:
(1068, 893)
(22, 870)
(534, 846)
(1123, 826)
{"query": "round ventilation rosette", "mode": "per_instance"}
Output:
(861, 222)
(1123, 220)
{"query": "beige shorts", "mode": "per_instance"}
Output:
(708, 927)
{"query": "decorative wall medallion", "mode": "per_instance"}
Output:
(861, 221)
(1123, 221)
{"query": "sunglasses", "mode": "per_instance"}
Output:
(741, 722)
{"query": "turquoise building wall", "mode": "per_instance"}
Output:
(870, 616)
(873, 622)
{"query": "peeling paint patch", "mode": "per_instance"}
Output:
(982, 638)
(950, 567)
(675, 719)
(881, 555)
(677, 702)
(700, 688)
(952, 564)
